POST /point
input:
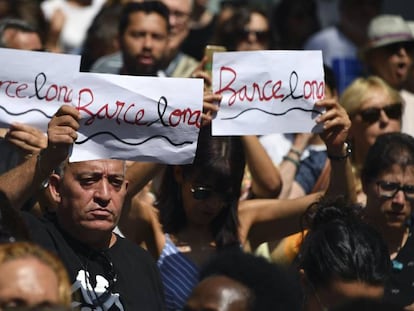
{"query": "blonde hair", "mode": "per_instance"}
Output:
(20, 250)
(352, 99)
(359, 91)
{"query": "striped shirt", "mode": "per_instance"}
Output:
(179, 275)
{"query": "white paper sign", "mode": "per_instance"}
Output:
(138, 118)
(267, 92)
(123, 117)
(33, 85)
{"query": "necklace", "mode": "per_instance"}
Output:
(404, 239)
(108, 272)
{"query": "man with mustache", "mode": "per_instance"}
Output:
(143, 36)
(388, 54)
(107, 271)
(159, 53)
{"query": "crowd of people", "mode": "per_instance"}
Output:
(297, 221)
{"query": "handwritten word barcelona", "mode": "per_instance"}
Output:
(267, 91)
(120, 111)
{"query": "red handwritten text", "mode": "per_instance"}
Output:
(265, 92)
(130, 113)
(268, 90)
(53, 92)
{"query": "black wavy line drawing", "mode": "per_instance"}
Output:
(25, 112)
(274, 114)
(132, 144)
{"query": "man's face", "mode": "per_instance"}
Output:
(180, 11)
(390, 208)
(16, 39)
(392, 63)
(90, 195)
(144, 44)
(340, 291)
(219, 293)
(27, 282)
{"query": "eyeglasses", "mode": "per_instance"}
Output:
(388, 190)
(372, 115)
(179, 15)
(261, 35)
(203, 193)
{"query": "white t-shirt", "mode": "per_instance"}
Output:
(77, 21)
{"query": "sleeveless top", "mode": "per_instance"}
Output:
(178, 274)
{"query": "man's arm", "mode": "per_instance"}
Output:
(21, 182)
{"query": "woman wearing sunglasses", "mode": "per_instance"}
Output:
(374, 109)
(198, 210)
(247, 29)
(388, 181)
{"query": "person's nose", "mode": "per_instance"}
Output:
(148, 41)
(383, 117)
(173, 20)
(252, 36)
(103, 193)
(399, 198)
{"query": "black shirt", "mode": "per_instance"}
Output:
(122, 277)
(399, 289)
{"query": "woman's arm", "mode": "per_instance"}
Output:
(139, 223)
(139, 219)
(267, 220)
(296, 190)
(264, 220)
(139, 174)
(289, 166)
(266, 181)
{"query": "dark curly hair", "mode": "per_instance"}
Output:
(388, 149)
(340, 245)
(145, 6)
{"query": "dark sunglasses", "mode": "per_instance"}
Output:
(203, 193)
(388, 190)
(396, 47)
(261, 36)
(372, 115)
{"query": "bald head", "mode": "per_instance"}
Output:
(219, 293)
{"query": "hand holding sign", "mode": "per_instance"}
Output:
(29, 139)
(336, 124)
(210, 107)
(123, 117)
(62, 133)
